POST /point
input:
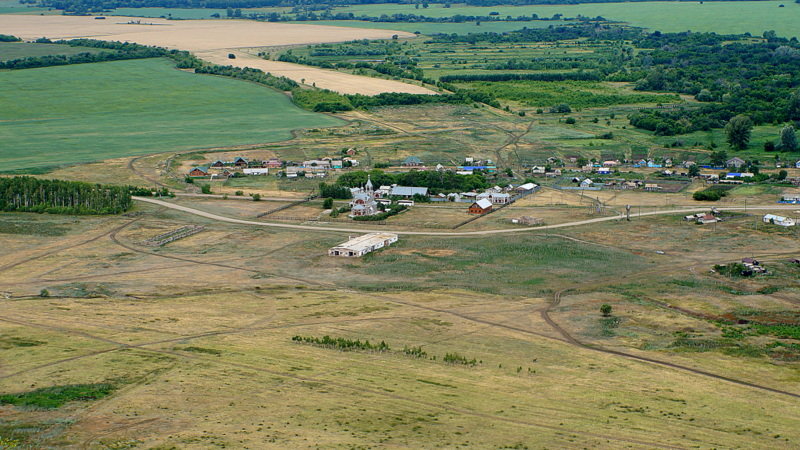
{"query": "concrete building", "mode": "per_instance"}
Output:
(361, 245)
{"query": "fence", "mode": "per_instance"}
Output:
(286, 206)
(174, 235)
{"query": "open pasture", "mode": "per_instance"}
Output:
(212, 317)
(64, 115)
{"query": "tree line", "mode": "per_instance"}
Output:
(87, 6)
(117, 51)
(435, 181)
(547, 76)
(62, 197)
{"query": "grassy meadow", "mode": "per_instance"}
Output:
(133, 338)
(81, 113)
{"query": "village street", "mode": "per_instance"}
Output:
(677, 210)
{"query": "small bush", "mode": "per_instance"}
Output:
(56, 396)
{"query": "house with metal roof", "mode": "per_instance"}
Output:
(412, 161)
(408, 191)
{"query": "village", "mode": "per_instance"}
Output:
(574, 173)
(376, 204)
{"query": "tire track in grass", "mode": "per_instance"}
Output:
(568, 337)
(342, 385)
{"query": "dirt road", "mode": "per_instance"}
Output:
(687, 210)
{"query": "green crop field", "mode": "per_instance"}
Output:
(15, 7)
(16, 50)
(63, 115)
(721, 17)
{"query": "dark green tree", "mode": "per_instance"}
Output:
(788, 139)
(738, 131)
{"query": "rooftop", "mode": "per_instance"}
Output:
(366, 241)
(409, 191)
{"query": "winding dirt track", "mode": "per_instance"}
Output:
(545, 313)
(356, 388)
(217, 217)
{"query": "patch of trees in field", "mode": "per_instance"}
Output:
(343, 344)
(62, 197)
(328, 101)
(117, 51)
(9, 38)
(394, 67)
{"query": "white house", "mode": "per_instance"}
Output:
(537, 170)
(603, 170)
(499, 198)
(526, 187)
(587, 183)
(361, 245)
(779, 220)
(256, 171)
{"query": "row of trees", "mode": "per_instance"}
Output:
(62, 197)
(343, 344)
(546, 76)
(435, 181)
(115, 51)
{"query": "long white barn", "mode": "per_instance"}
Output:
(361, 245)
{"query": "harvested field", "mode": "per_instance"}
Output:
(205, 36)
(344, 83)
(192, 35)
